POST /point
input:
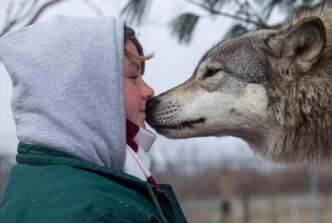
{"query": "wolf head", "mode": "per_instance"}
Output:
(272, 88)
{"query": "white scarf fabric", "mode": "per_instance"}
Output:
(137, 162)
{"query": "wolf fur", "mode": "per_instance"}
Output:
(272, 88)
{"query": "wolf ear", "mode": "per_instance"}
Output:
(296, 49)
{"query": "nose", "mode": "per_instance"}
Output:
(147, 91)
(152, 103)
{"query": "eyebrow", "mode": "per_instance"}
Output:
(137, 65)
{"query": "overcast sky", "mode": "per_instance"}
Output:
(172, 65)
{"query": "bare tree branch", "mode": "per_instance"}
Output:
(94, 7)
(28, 12)
(256, 14)
(243, 9)
(19, 17)
(27, 9)
(211, 10)
(22, 7)
(8, 13)
(16, 18)
(42, 9)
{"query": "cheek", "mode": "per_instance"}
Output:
(132, 100)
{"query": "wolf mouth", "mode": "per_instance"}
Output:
(184, 124)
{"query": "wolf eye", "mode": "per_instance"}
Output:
(210, 73)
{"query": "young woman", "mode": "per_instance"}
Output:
(79, 106)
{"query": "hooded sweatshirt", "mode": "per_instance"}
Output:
(69, 97)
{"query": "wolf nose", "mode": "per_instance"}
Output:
(152, 103)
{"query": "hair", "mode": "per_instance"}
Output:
(141, 57)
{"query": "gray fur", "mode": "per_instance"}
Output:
(272, 88)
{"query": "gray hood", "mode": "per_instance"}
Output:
(67, 87)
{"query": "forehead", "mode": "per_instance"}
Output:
(240, 57)
(131, 47)
(242, 45)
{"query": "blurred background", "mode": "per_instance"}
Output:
(215, 179)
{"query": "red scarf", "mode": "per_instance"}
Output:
(137, 162)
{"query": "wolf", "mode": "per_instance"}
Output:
(271, 88)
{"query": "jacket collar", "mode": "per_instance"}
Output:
(41, 155)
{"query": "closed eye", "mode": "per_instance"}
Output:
(134, 76)
(210, 73)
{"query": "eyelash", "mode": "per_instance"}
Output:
(134, 76)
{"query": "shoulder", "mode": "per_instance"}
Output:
(74, 195)
(105, 200)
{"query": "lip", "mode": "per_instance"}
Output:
(184, 124)
(142, 113)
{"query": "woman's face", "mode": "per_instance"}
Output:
(136, 91)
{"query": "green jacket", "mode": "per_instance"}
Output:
(48, 186)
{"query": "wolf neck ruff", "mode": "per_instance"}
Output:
(137, 162)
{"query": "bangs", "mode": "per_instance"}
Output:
(141, 57)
